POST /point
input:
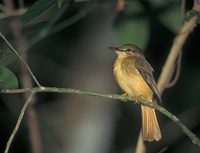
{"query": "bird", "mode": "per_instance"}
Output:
(134, 75)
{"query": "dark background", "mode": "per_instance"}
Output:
(77, 56)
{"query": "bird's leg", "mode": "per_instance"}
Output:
(123, 95)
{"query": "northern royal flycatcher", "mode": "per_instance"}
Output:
(135, 76)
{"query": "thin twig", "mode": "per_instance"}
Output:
(14, 13)
(178, 71)
(179, 58)
(22, 60)
(19, 120)
(15, 91)
(135, 99)
(180, 39)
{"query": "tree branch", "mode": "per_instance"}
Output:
(19, 120)
(180, 39)
(134, 99)
(21, 59)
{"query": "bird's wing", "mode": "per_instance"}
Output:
(146, 72)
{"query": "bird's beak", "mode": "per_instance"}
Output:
(113, 48)
(116, 50)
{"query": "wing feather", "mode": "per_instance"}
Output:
(146, 70)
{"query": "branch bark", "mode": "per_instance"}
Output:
(180, 39)
(19, 121)
(134, 99)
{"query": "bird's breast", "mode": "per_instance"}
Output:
(130, 80)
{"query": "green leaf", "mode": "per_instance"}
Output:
(8, 79)
(133, 7)
(132, 27)
(171, 18)
(60, 2)
(134, 31)
(37, 9)
(31, 31)
(6, 56)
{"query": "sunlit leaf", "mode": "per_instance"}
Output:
(8, 79)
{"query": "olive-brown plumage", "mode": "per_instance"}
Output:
(135, 76)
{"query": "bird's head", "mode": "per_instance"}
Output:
(127, 50)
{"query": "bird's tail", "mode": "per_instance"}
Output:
(150, 127)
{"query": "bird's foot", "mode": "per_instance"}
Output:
(123, 96)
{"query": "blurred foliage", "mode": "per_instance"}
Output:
(7, 79)
(132, 25)
(44, 19)
(133, 29)
(171, 18)
(38, 8)
(6, 56)
(42, 7)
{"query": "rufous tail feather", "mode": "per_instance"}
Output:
(150, 127)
